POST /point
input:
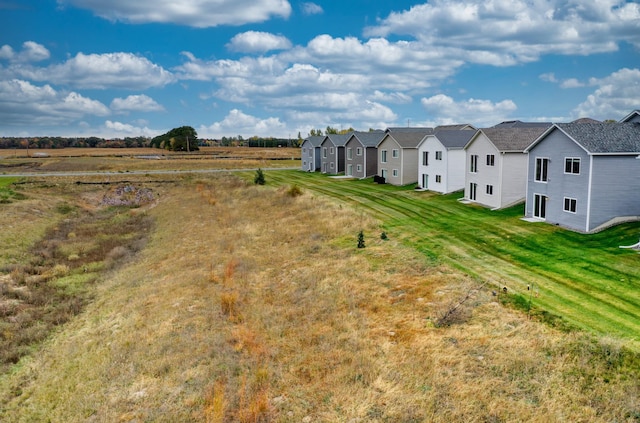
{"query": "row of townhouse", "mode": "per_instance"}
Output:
(583, 175)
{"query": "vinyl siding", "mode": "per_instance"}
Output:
(486, 175)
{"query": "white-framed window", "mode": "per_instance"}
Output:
(331, 165)
(572, 165)
(491, 159)
(438, 178)
(359, 168)
(425, 158)
(304, 150)
(304, 164)
(438, 155)
(395, 172)
(383, 156)
(349, 154)
(395, 153)
(542, 166)
(324, 152)
(474, 163)
(358, 151)
(330, 150)
(489, 190)
(570, 204)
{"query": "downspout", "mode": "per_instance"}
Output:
(589, 193)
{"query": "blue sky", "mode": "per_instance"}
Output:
(118, 68)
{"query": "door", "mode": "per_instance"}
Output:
(425, 181)
(539, 206)
(349, 170)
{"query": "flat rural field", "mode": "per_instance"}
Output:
(139, 159)
(219, 300)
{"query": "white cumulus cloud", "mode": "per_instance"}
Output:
(258, 42)
(615, 96)
(31, 52)
(24, 103)
(194, 13)
(238, 123)
(309, 8)
(444, 110)
(141, 103)
(100, 71)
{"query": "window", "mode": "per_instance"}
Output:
(572, 165)
(438, 178)
(542, 165)
(324, 152)
(330, 150)
(349, 154)
(473, 189)
(383, 156)
(570, 204)
(304, 150)
(395, 153)
(425, 158)
(359, 151)
(491, 160)
(474, 163)
(489, 189)
(395, 172)
(438, 155)
(359, 168)
(331, 165)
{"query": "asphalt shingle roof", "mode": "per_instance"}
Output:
(602, 138)
(315, 140)
(410, 139)
(368, 139)
(520, 124)
(513, 139)
(453, 139)
(339, 140)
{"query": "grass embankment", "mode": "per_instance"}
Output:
(576, 279)
(253, 304)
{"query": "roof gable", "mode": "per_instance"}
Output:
(632, 117)
(314, 140)
(604, 138)
(510, 140)
(409, 139)
(367, 139)
(452, 139)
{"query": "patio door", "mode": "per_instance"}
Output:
(425, 181)
(539, 206)
(473, 191)
(349, 170)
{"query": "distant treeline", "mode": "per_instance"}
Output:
(135, 142)
(62, 142)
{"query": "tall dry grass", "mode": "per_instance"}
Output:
(258, 307)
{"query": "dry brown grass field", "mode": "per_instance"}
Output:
(136, 159)
(252, 304)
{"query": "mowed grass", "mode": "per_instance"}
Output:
(253, 304)
(586, 281)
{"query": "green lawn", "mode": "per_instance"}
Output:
(587, 280)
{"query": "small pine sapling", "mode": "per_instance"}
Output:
(361, 240)
(383, 236)
(259, 178)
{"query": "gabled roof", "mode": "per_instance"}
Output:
(410, 139)
(338, 140)
(520, 124)
(453, 140)
(602, 138)
(367, 139)
(585, 120)
(315, 140)
(510, 139)
(631, 116)
(458, 126)
(408, 129)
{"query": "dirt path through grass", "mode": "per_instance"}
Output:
(584, 279)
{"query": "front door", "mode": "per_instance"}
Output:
(539, 206)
